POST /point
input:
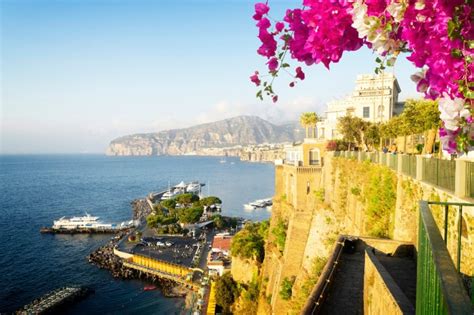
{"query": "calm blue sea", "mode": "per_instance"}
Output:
(35, 190)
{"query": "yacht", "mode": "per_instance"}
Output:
(194, 188)
(85, 222)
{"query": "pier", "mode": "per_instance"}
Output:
(54, 300)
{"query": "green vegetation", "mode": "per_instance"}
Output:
(221, 222)
(309, 120)
(310, 280)
(376, 187)
(166, 213)
(248, 299)
(319, 194)
(279, 231)
(249, 242)
(226, 292)
(186, 199)
(170, 229)
(209, 201)
(168, 204)
(190, 215)
(286, 289)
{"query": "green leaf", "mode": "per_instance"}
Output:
(470, 44)
(285, 65)
(469, 94)
(378, 60)
(456, 53)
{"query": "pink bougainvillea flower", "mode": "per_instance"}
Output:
(299, 73)
(279, 26)
(255, 79)
(275, 98)
(292, 84)
(272, 64)
(260, 10)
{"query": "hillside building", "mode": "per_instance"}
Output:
(375, 99)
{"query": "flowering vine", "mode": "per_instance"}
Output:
(437, 35)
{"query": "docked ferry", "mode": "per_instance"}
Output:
(85, 222)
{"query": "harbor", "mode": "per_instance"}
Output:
(179, 264)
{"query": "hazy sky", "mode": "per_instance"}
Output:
(76, 74)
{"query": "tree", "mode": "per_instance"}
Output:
(249, 242)
(190, 215)
(209, 201)
(226, 292)
(169, 203)
(187, 199)
(309, 120)
(353, 129)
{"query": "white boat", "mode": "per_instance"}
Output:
(170, 194)
(194, 188)
(87, 221)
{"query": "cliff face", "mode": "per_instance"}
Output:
(229, 133)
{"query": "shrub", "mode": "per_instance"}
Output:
(286, 289)
(209, 201)
(187, 199)
(226, 292)
(249, 242)
(279, 231)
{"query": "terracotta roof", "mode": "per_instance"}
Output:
(222, 242)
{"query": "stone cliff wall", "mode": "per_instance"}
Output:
(345, 197)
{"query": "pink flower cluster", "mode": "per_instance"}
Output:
(322, 31)
(438, 34)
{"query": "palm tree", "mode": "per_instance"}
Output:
(309, 120)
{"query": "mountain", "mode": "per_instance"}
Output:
(201, 139)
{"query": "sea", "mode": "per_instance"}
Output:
(37, 189)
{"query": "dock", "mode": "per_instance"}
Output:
(50, 230)
(54, 300)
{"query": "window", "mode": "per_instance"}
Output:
(366, 113)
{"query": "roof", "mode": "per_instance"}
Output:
(222, 242)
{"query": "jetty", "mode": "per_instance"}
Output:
(54, 300)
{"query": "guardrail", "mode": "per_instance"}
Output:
(319, 293)
(454, 176)
(439, 287)
(439, 172)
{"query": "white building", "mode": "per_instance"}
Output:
(375, 99)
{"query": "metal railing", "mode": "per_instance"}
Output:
(438, 285)
(409, 165)
(470, 179)
(393, 161)
(439, 172)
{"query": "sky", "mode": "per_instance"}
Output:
(77, 74)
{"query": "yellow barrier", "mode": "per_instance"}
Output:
(211, 305)
(161, 265)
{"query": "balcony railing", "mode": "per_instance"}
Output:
(439, 288)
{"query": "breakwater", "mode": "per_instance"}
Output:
(53, 301)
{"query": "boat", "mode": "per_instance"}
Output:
(85, 222)
(260, 203)
(149, 288)
(194, 188)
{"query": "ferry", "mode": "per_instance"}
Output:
(87, 222)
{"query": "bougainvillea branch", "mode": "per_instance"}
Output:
(437, 35)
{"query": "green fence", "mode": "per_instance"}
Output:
(337, 153)
(393, 161)
(409, 165)
(439, 172)
(383, 160)
(439, 288)
(470, 179)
